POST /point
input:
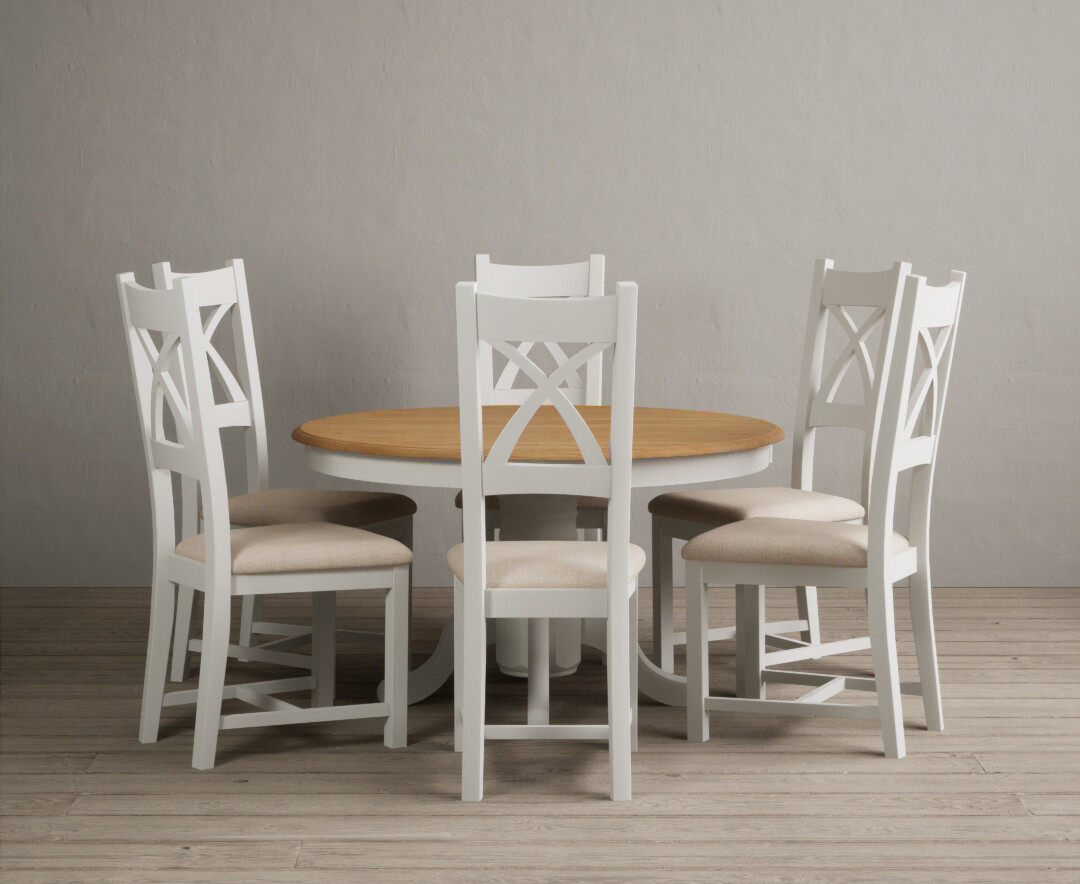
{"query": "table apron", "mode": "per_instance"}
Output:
(651, 473)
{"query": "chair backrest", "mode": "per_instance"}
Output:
(918, 379)
(244, 407)
(584, 279)
(594, 323)
(835, 295)
(179, 419)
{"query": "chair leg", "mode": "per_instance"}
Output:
(539, 687)
(474, 659)
(250, 611)
(663, 598)
(886, 670)
(697, 654)
(181, 655)
(806, 597)
(619, 707)
(749, 641)
(459, 661)
(157, 656)
(323, 647)
(396, 660)
(922, 621)
(212, 662)
(634, 629)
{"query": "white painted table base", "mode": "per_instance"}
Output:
(538, 517)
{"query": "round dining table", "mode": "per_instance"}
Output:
(420, 447)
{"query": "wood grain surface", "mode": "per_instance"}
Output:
(433, 433)
(995, 798)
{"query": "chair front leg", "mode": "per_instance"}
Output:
(212, 663)
(663, 597)
(922, 621)
(250, 611)
(323, 647)
(697, 653)
(886, 670)
(806, 598)
(396, 659)
(749, 641)
(162, 597)
(181, 654)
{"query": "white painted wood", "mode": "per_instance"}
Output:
(261, 654)
(547, 732)
(539, 671)
(421, 473)
(233, 691)
(582, 386)
(230, 308)
(499, 322)
(833, 294)
(189, 442)
(323, 648)
(813, 652)
(911, 405)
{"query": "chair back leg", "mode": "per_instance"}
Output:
(459, 661)
(212, 663)
(474, 683)
(619, 705)
(634, 630)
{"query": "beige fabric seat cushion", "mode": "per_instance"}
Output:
(584, 503)
(787, 542)
(280, 506)
(545, 564)
(722, 506)
(309, 546)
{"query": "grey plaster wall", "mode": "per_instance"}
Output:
(358, 154)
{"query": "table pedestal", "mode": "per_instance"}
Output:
(537, 517)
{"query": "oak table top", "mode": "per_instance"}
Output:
(434, 433)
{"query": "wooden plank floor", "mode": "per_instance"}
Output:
(995, 797)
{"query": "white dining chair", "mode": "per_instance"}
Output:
(584, 279)
(760, 552)
(382, 512)
(539, 580)
(181, 423)
(836, 298)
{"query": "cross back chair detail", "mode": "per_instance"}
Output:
(683, 515)
(382, 512)
(181, 424)
(539, 580)
(582, 386)
(761, 552)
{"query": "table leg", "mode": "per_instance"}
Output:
(537, 517)
(654, 682)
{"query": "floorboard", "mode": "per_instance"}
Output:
(996, 797)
